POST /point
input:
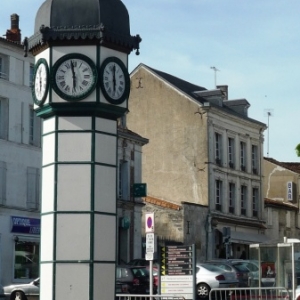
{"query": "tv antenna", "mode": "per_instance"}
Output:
(268, 113)
(215, 70)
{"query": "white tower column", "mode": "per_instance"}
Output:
(78, 232)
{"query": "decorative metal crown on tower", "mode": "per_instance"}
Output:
(104, 22)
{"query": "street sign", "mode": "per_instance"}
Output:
(177, 269)
(149, 222)
(139, 190)
(150, 242)
(149, 256)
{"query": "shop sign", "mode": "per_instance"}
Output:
(25, 225)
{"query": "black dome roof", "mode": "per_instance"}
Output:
(89, 20)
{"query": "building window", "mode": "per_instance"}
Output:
(2, 182)
(123, 192)
(288, 219)
(4, 118)
(218, 148)
(231, 197)
(270, 216)
(218, 194)
(255, 202)
(26, 263)
(33, 188)
(254, 159)
(34, 128)
(3, 66)
(243, 156)
(231, 152)
(243, 199)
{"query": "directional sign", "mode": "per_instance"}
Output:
(177, 269)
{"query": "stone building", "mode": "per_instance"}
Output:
(129, 207)
(281, 197)
(204, 155)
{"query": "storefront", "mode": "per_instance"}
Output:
(26, 248)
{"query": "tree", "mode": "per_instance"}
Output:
(298, 150)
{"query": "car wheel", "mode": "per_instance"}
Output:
(18, 296)
(202, 290)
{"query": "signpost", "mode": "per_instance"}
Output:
(178, 271)
(150, 245)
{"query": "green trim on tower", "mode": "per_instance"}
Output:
(101, 110)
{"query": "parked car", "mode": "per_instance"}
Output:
(210, 276)
(142, 262)
(26, 291)
(146, 263)
(237, 266)
(132, 280)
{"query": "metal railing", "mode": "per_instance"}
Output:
(146, 297)
(257, 293)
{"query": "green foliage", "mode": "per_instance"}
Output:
(298, 150)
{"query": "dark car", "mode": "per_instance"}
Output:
(142, 262)
(146, 263)
(132, 280)
(237, 266)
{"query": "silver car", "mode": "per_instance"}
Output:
(26, 291)
(209, 276)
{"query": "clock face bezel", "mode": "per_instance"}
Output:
(87, 90)
(39, 63)
(123, 68)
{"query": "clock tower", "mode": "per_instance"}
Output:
(81, 87)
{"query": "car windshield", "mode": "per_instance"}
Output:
(140, 272)
(241, 267)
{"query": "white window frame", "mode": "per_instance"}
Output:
(232, 193)
(33, 188)
(255, 201)
(4, 118)
(218, 148)
(231, 151)
(243, 155)
(3, 175)
(34, 128)
(218, 191)
(244, 199)
(3, 66)
(254, 156)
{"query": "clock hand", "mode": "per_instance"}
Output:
(114, 77)
(74, 77)
(40, 81)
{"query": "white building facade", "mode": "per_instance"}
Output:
(20, 161)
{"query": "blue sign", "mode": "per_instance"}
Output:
(25, 225)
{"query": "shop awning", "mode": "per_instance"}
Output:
(247, 238)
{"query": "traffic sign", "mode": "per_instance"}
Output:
(149, 222)
(150, 242)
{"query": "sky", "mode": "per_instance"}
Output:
(254, 45)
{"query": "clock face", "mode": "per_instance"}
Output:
(115, 81)
(74, 77)
(40, 82)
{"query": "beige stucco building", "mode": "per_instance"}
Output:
(204, 155)
(281, 198)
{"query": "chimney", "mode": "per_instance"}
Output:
(14, 33)
(224, 90)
